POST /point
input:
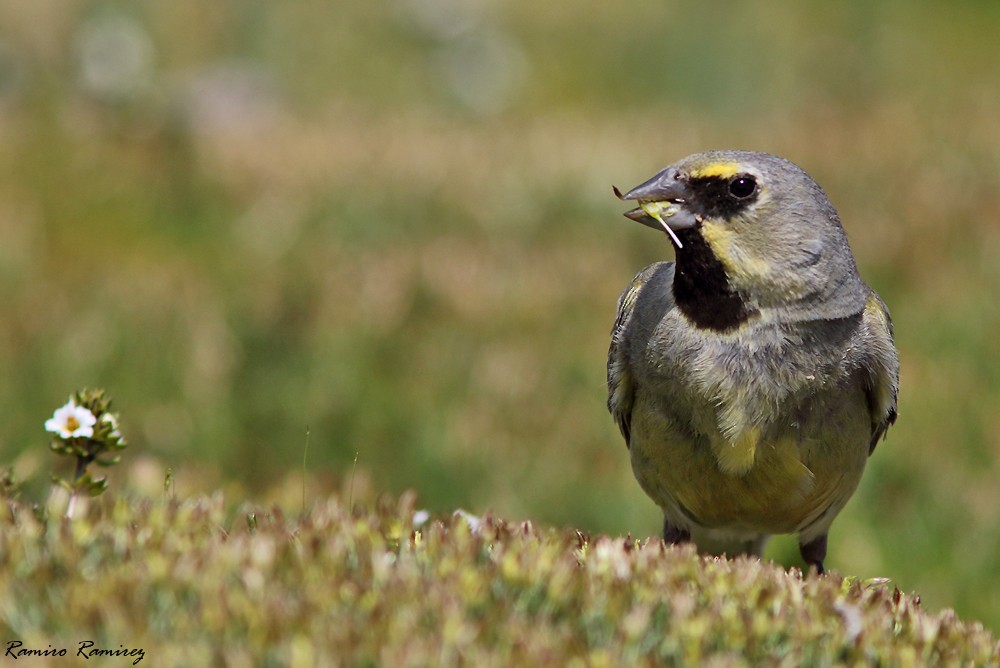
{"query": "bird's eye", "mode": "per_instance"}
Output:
(742, 186)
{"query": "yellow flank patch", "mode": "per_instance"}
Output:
(737, 456)
(741, 267)
(719, 169)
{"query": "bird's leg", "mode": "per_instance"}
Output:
(673, 535)
(814, 552)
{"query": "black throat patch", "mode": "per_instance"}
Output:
(701, 288)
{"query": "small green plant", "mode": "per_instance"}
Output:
(86, 430)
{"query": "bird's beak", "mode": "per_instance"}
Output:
(661, 204)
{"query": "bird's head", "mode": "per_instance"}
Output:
(755, 225)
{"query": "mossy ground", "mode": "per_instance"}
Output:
(191, 582)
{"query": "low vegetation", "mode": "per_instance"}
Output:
(196, 582)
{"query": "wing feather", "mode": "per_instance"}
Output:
(621, 383)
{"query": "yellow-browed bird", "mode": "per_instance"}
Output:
(753, 377)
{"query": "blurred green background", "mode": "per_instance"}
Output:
(387, 229)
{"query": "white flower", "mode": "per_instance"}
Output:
(72, 421)
(110, 419)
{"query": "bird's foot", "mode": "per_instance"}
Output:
(814, 552)
(674, 535)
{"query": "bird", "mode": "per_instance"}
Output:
(754, 375)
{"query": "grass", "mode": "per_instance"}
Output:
(198, 581)
(390, 226)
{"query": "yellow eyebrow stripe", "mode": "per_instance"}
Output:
(717, 169)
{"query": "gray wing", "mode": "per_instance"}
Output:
(883, 368)
(621, 384)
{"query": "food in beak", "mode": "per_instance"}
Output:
(660, 210)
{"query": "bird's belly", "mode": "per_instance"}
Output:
(780, 493)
